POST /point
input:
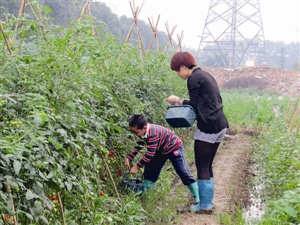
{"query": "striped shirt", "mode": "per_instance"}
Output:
(157, 138)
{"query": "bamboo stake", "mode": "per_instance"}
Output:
(293, 121)
(83, 10)
(21, 13)
(294, 109)
(32, 10)
(93, 28)
(140, 41)
(129, 33)
(5, 39)
(36, 17)
(135, 12)
(12, 201)
(41, 19)
(61, 208)
(170, 34)
(180, 40)
(112, 179)
(154, 36)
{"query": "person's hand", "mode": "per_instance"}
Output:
(127, 163)
(172, 99)
(134, 169)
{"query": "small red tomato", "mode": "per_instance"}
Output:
(111, 154)
(53, 197)
(85, 207)
(102, 193)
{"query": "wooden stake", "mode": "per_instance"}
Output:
(87, 7)
(294, 109)
(170, 34)
(180, 38)
(154, 36)
(21, 14)
(12, 201)
(61, 208)
(5, 39)
(41, 19)
(111, 177)
(294, 118)
(83, 9)
(135, 12)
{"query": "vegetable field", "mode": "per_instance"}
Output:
(65, 98)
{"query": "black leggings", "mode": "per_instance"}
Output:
(204, 155)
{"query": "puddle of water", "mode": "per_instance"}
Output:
(255, 210)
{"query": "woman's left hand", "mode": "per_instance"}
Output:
(172, 99)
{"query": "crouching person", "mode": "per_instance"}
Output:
(162, 145)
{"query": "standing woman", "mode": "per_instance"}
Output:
(212, 124)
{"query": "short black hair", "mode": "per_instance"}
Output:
(138, 121)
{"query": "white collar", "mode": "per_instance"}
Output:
(146, 133)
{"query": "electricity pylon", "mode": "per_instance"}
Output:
(233, 33)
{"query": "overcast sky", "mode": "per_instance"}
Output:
(281, 18)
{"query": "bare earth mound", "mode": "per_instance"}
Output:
(276, 80)
(230, 172)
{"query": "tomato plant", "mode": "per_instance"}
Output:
(60, 115)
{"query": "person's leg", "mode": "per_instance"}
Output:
(179, 163)
(205, 152)
(204, 156)
(214, 151)
(153, 169)
(212, 156)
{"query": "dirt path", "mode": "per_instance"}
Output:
(230, 172)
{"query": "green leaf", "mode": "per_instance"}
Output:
(42, 175)
(30, 195)
(3, 196)
(37, 120)
(290, 211)
(71, 105)
(37, 209)
(17, 166)
(68, 185)
(88, 152)
(29, 216)
(44, 219)
(62, 132)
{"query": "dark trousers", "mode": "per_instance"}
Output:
(153, 168)
(204, 155)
